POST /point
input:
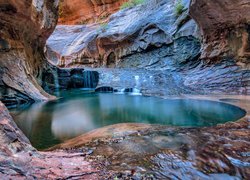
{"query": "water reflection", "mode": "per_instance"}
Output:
(78, 115)
(47, 124)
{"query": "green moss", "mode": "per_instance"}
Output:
(179, 8)
(63, 10)
(60, 9)
(131, 3)
(103, 27)
(83, 22)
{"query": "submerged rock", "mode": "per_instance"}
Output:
(104, 89)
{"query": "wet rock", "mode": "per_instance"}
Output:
(164, 152)
(166, 57)
(83, 79)
(173, 76)
(55, 79)
(11, 137)
(77, 80)
(104, 89)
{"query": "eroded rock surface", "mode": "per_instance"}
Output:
(165, 47)
(225, 27)
(128, 39)
(87, 11)
(24, 29)
(180, 78)
(55, 79)
(154, 24)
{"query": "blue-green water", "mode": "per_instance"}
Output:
(78, 112)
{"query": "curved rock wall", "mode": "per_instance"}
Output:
(87, 11)
(225, 27)
(24, 28)
(107, 46)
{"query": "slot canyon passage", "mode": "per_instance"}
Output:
(118, 89)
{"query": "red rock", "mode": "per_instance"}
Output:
(224, 25)
(87, 11)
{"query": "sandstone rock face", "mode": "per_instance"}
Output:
(154, 24)
(11, 138)
(225, 27)
(87, 11)
(24, 28)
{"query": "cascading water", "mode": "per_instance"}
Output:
(90, 79)
(121, 91)
(83, 79)
(136, 89)
(56, 83)
(131, 91)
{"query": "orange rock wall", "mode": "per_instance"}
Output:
(225, 27)
(87, 11)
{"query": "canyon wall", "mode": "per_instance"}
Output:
(205, 53)
(225, 27)
(87, 11)
(24, 28)
(149, 36)
(154, 24)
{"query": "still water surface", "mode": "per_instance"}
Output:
(77, 112)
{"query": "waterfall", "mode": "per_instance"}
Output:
(132, 91)
(120, 91)
(50, 80)
(136, 89)
(137, 78)
(56, 83)
(90, 79)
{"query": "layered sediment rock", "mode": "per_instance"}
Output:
(158, 40)
(24, 29)
(154, 24)
(87, 11)
(225, 27)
